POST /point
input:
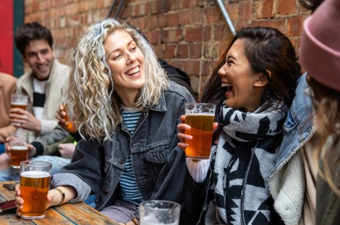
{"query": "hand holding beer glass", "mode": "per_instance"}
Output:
(18, 102)
(34, 185)
(18, 148)
(200, 116)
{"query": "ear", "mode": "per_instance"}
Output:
(263, 79)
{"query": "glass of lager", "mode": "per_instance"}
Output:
(18, 148)
(19, 101)
(200, 116)
(34, 185)
(159, 212)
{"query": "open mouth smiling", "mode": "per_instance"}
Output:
(133, 71)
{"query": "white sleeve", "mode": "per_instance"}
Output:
(198, 170)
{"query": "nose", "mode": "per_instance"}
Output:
(130, 58)
(40, 58)
(222, 71)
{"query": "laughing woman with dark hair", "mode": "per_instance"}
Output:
(253, 86)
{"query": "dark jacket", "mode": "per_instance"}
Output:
(159, 167)
(327, 202)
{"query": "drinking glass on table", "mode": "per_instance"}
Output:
(18, 148)
(200, 116)
(159, 212)
(34, 185)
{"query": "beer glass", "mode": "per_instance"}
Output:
(18, 147)
(159, 212)
(19, 101)
(34, 185)
(200, 116)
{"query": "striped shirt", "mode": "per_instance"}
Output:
(128, 185)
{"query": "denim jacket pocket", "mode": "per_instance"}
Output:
(157, 157)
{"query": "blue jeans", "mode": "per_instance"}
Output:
(57, 164)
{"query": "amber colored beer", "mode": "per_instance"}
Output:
(18, 154)
(20, 105)
(201, 131)
(34, 186)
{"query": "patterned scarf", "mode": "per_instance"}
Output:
(242, 162)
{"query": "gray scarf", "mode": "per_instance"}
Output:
(242, 162)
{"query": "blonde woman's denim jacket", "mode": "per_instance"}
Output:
(159, 166)
(287, 182)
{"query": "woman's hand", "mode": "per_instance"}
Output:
(53, 198)
(182, 127)
(64, 121)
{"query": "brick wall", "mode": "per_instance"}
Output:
(190, 34)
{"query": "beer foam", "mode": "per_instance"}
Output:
(19, 103)
(199, 114)
(35, 174)
(19, 148)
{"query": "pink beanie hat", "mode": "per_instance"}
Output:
(320, 44)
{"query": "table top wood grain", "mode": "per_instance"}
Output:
(66, 214)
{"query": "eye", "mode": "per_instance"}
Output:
(115, 57)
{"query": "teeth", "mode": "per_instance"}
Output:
(135, 70)
(226, 85)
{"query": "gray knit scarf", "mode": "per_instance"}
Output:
(242, 162)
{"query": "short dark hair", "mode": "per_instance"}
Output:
(266, 49)
(29, 32)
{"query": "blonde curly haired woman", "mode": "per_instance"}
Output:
(128, 112)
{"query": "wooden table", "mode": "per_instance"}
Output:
(79, 213)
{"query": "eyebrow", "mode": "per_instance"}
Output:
(115, 50)
(231, 57)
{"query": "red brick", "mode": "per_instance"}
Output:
(161, 21)
(220, 31)
(294, 27)
(152, 36)
(184, 17)
(151, 22)
(182, 51)
(192, 67)
(276, 23)
(195, 51)
(212, 14)
(193, 34)
(207, 30)
(207, 67)
(246, 10)
(265, 9)
(158, 50)
(232, 10)
(197, 16)
(173, 35)
(286, 7)
(169, 51)
(172, 20)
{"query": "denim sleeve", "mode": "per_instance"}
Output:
(68, 179)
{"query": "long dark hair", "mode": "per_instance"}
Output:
(266, 49)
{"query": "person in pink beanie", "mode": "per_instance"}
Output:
(320, 55)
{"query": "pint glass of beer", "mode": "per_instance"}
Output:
(200, 116)
(19, 101)
(34, 186)
(18, 148)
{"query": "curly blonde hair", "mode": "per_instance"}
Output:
(91, 98)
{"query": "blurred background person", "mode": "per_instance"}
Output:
(7, 87)
(320, 55)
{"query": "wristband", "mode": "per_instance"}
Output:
(62, 194)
